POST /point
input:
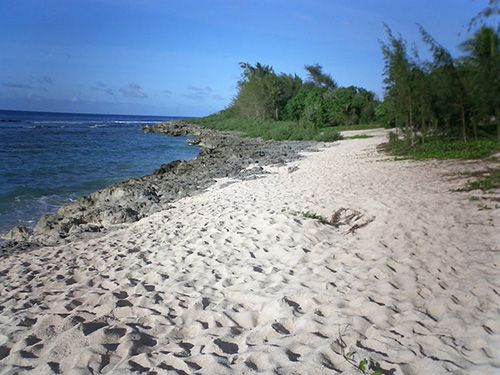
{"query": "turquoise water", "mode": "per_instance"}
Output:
(49, 159)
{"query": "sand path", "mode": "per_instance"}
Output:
(236, 280)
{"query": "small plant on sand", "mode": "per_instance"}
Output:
(315, 216)
(343, 216)
(364, 365)
(486, 182)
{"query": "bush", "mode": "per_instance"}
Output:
(489, 181)
(443, 148)
(328, 135)
(269, 129)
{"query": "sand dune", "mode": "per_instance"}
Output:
(237, 280)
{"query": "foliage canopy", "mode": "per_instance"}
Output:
(317, 102)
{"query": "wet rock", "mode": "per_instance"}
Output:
(18, 234)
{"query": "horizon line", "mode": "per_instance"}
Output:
(90, 113)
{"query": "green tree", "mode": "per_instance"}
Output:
(294, 108)
(315, 112)
(483, 58)
(399, 83)
(263, 94)
(450, 78)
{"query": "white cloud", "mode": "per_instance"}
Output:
(202, 93)
(102, 87)
(133, 90)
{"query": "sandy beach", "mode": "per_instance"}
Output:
(237, 279)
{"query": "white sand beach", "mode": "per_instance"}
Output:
(236, 279)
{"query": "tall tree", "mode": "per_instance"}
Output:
(450, 77)
(483, 55)
(399, 82)
(262, 93)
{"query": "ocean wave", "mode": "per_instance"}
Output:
(39, 126)
(86, 122)
(137, 122)
(43, 122)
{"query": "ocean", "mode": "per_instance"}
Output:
(50, 159)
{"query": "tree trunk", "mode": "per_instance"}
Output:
(462, 116)
(498, 122)
(424, 130)
(410, 130)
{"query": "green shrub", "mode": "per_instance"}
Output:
(443, 148)
(485, 183)
(270, 129)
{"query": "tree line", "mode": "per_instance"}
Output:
(317, 101)
(457, 97)
(444, 96)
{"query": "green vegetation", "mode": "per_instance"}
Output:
(487, 181)
(316, 102)
(270, 129)
(436, 103)
(443, 148)
(285, 107)
(447, 107)
(315, 216)
(366, 366)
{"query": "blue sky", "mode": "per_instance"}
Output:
(181, 57)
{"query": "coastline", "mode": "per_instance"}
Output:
(221, 155)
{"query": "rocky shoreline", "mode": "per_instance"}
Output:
(222, 154)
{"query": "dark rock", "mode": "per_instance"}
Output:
(18, 234)
(164, 168)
